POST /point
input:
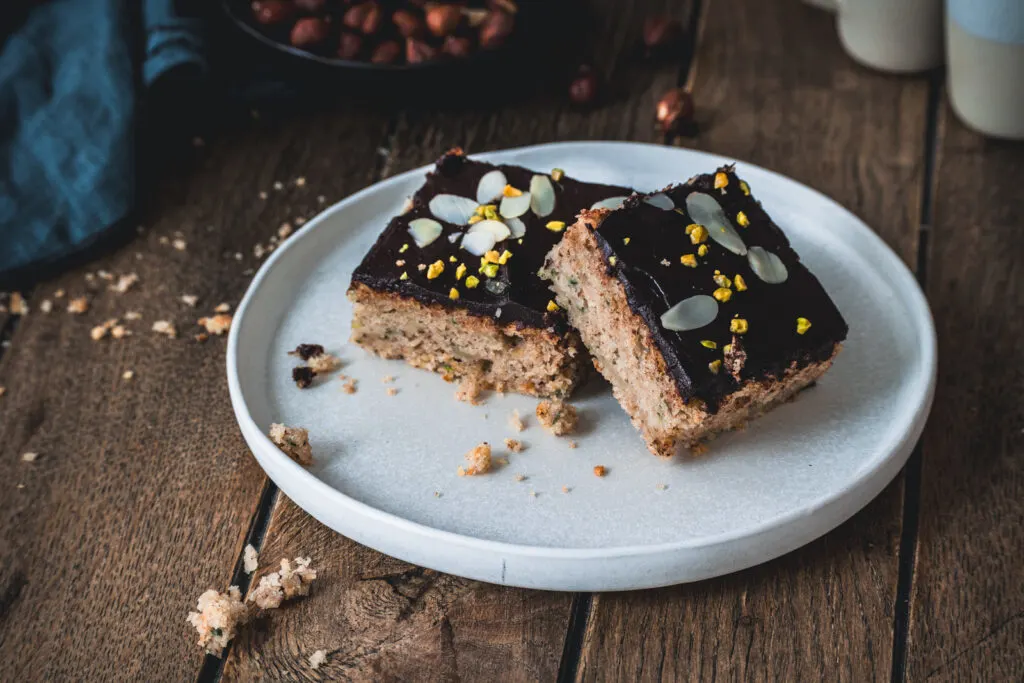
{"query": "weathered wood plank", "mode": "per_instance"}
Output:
(967, 604)
(381, 619)
(773, 87)
(144, 489)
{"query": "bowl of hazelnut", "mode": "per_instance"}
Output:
(384, 35)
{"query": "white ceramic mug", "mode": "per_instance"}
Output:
(985, 41)
(900, 36)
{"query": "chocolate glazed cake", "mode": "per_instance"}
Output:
(451, 285)
(695, 307)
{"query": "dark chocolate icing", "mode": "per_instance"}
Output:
(771, 343)
(524, 300)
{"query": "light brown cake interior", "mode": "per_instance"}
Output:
(465, 347)
(624, 352)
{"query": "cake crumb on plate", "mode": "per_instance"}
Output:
(516, 422)
(293, 442)
(557, 417)
(514, 445)
(479, 459)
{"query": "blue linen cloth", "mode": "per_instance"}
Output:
(72, 76)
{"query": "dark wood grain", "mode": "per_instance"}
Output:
(380, 619)
(415, 624)
(773, 87)
(967, 605)
(144, 489)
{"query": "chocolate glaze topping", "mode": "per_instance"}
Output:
(524, 298)
(771, 344)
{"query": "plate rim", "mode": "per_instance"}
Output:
(865, 484)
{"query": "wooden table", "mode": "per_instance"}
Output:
(144, 494)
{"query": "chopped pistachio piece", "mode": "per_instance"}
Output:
(435, 269)
(555, 226)
(460, 271)
(552, 306)
(708, 344)
(557, 174)
(688, 260)
(738, 326)
(453, 293)
(722, 294)
(742, 220)
(802, 325)
(714, 366)
(741, 284)
(721, 180)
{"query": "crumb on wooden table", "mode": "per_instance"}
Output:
(218, 324)
(165, 327)
(479, 459)
(250, 559)
(514, 445)
(29, 457)
(132, 315)
(124, 283)
(516, 422)
(127, 375)
(557, 417)
(17, 304)
(285, 584)
(190, 300)
(218, 617)
(293, 442)
(317, 658)
(222, 308)
(46, 306)
(78, 305)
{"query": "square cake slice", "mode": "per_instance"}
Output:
(451, 285)
(695, 308)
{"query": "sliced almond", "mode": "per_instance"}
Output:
(496, 228)
(610, 203)
(517, 227)
(661, 201)
(490, 186)
(478, 243)
(705, 210)
(424, 231)
(690, 314)
(514, 207)
(542, 195)
(767, 266)
(451, 208)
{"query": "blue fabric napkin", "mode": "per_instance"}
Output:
(71, 80)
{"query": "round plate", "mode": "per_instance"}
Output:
(385, 471)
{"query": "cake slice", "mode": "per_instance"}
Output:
(451, 285)
(694, 307)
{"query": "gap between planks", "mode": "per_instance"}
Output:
(912, 470)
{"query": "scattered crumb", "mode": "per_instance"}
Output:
(387, 379)
(29, 457)
(392, 391)
(128, 375)
(190, 300)
(300, 181)
(665, 262)
(165, 327)
(99, 332)
(78, 306)
(299, 220)
(323, 363)
(566, 489)
(59, 294)
(263, 194)
(471, 387)
(533, 494)
(573, 444)
(3, 390)
(238, 256)
(278, 185)
(699, 449)
(201, 337)
(133, 315)
(514, 445)
(276, 587)
(437, 494)
(320, 199)
(516, 422)
(303, 376)
(600, 470)
(180, 244)
(258, 250)
(479, 459)
(218, 324)
(317, 658)
(222, 308)
(104, 275)
(293, 442)
(218, 618)
(163, 240)
(349, 387)
(250, 559)
(557, 417)
(17, 305)
(46, 306)
(307, 351)
(662, 487)
(520, 477)
(124, 283)
(120, 332)
(284, 231)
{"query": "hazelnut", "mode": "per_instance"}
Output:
(310, 5)
(457, 47)
(583, 89)
(417, 51)
(387, 52)
(495, 30)
(674, 113)
(309, 31)
(408, 24)
(364, 17)
(661, 32)
(442, 20)
(272, 11)
(349, 45)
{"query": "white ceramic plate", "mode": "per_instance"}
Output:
(385, 472)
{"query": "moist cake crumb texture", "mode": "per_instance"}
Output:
(557, 417)
(217, 618)
(733, 326)
(293, 442)
(291, 581)
(478, 461)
